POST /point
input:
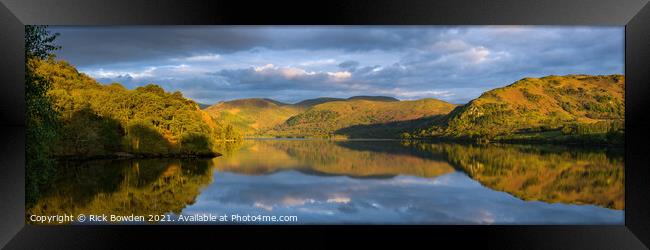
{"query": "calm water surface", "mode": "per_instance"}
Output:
(356, 182)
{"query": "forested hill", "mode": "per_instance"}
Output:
(568, 108)
(100, 120)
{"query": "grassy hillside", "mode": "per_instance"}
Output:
(326, 119)
(253, 116)
(569, 108)
(387, 130)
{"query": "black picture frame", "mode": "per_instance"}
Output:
(633, 14)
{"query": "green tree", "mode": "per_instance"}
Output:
(41, 118)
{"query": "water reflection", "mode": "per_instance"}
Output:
(449, 199)
(364, 182)
(546, 173)
(144, 186)
(374, 159)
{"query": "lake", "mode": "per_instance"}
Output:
(354, 182)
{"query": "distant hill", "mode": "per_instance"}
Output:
(374, 98)
(253, 115)
(203, 106)
(256, 102)
(320, 100)
(327, 118)
(541, 108)
(316, 101)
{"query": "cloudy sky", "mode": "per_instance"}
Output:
(292, 63)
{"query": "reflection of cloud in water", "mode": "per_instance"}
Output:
(441, 181)
(291, 201)
(449, 199)
(338, 199)
(263, 206)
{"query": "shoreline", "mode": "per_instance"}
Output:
(465, 141)
(127, 156)
(565, 143)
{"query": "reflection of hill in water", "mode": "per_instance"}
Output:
(124, 187)
(325, 157)
(550, 174)
(531, 172)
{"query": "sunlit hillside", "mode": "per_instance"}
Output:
(537, 108)
(99, 119)
(261, 116)
(255, 115)
(325, 119)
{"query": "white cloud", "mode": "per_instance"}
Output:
(321, 62)
(264, 67)
(409, 94)
(295, 73)
(200, 58)
(340, 75)
(478, 54)
(101, 73)
(290, 73)
(452, 45)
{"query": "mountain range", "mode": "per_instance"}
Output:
(529, 109)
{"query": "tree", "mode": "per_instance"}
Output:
(41, 118)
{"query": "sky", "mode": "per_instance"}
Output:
(291, 63)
